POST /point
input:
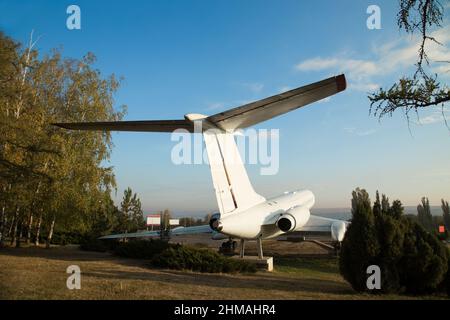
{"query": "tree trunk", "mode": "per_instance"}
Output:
(30, 225)
(8, 234)
(14, 227)
(19, 238)
(38, 230)
(50, 234)
(2, 226)
(30, 222)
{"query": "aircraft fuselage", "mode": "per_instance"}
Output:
(271, 218)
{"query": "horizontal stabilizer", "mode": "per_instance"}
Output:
(230, 120)
(142, 126)
(265, 109)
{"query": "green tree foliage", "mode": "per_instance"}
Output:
(166, 216)
(191, 221)
(411, 259)
(130, 216)
(424, 260)
(424, 88)
(360, 246)
(377, 205)
(424, 215)
(396, 210)
(52, 180)
(446, 213)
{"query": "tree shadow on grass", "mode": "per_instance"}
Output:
(259, 281)
(315, 264)
(63, 253)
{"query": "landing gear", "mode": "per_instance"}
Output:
(337, 247)
(259, 247)
(242, 250)
(228, 247)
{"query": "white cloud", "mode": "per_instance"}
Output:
(388, 58)
(215, 106)
(284, 89)
(358, 72)
(226, 105)
(360, 68)
(366, 87)
(360, 133)
(433, 118)
(437, 116)
(254, 87)
(366, 132)
(325, 100)
(443, 69)
(350, 130)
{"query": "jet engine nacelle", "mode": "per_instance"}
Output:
(213, 222)
(338, 229)
(293, 219)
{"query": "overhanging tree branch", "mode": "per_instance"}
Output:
(420, 90)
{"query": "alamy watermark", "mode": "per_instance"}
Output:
(374, 20)
(249, 146)
(74, 280)
(374, 278)
(73, 21)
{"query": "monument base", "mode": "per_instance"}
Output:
(266, 263)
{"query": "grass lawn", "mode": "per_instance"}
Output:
(37, 273)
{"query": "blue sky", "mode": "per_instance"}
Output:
(180, 57)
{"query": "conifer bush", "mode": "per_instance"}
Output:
(411, 259)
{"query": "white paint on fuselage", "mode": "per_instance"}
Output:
(260, 220)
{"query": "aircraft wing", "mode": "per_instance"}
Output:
(142, 126)
(265, 109)
(174, 232)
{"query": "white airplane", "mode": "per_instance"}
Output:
(243, 213)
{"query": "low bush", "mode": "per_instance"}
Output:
(64, 238)
(172, 256)
(141, 249)
(92, 243)
(447, 279)
(202, 260)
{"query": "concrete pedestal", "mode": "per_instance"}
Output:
(265, 263)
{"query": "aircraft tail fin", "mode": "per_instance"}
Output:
(233, 189)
